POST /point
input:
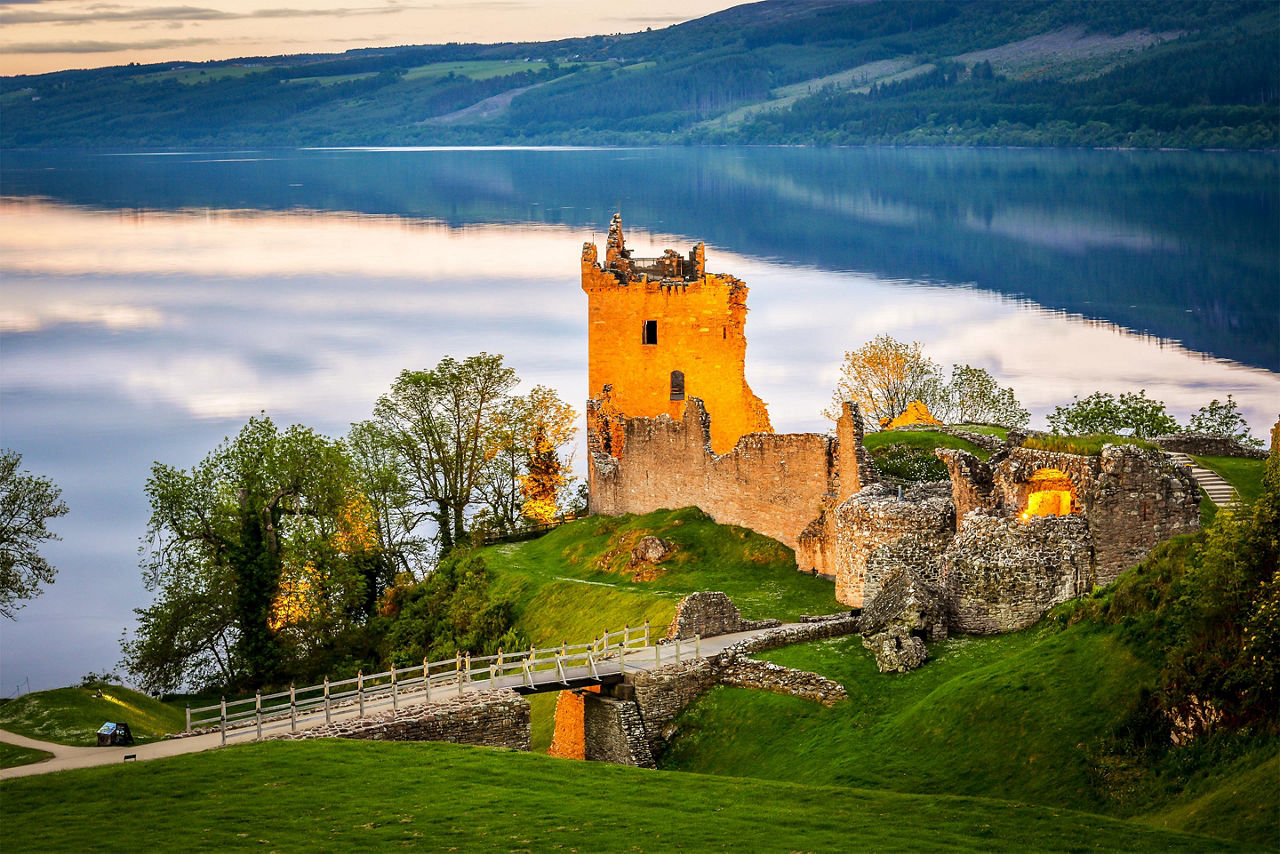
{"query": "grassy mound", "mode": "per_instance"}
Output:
(576, 581)
(924, 439)
(72, 715)
(11, 756)
(299, 797)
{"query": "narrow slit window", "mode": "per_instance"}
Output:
(651, 332)
(677, 385)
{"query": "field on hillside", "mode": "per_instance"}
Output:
(1032, 716)
(576, 582)
(339, 795)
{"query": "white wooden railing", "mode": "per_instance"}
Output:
(602, 656)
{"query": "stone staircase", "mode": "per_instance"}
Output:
(1219, 491)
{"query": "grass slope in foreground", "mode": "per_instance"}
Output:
(1038, 716)
(72, 715)
(339, 795)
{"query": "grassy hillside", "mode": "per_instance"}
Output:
(1244, 474)
(1030, 717)
(300, 797)
(576, 582)
(72, 715)
(1142, 73)
(12, 756)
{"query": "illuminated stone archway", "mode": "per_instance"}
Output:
(1050, 492)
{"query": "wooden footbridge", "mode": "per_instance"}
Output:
(603, 660)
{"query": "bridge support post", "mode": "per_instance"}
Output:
(697, 646)
(677, 650)
(657, 655)
(646, 631)
(188, 717)
(426, 676)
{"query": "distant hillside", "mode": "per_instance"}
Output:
(1138, 73)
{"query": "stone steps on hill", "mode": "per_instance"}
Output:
(1219, 491)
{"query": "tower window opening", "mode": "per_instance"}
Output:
(651, 332)
(677, 385)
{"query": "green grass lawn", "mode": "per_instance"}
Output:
(11, 756)
(575, 582)
(921, 439)
(1242, 473)
(353, 795)
(475, 69)
(72, 715)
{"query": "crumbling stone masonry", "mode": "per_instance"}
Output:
(775, 484)
(709, 614)
(1207, 445)
(498, 718)
(1001, 574)
(877, 531)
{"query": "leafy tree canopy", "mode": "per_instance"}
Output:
(27, 503)
(1223, 419)
(1102, 412)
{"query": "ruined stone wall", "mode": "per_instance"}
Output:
(772, 483)
(876, 533)
(745, 672)
(711, 613)
(1207, 445)
(700, 331)
(615, 732)
(1140, 499)
(664, 693)
(497, 718)
(1001, 573)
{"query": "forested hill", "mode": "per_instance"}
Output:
(1142, 73)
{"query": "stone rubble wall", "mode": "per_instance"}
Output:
(662, 694)
(767, 676)
(878, 532)
(1207, 445)
(616, 732)
(498, 718)
(1140, 499)
(708, 614)
(1002, 574)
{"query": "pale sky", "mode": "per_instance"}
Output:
(50, 35)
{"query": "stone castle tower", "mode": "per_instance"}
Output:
(663, 330)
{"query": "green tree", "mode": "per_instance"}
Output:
(972, 396)
(439, 424)
(1223, 419)
(27, 503)
(383, 480)
(258, 556)
(1102, 412)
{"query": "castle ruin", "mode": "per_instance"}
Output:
(672, 423)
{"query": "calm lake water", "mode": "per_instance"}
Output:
(150, 303)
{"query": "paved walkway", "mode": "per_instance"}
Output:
(1219, 491)
(65, 758)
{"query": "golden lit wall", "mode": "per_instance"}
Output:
(699, 332)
